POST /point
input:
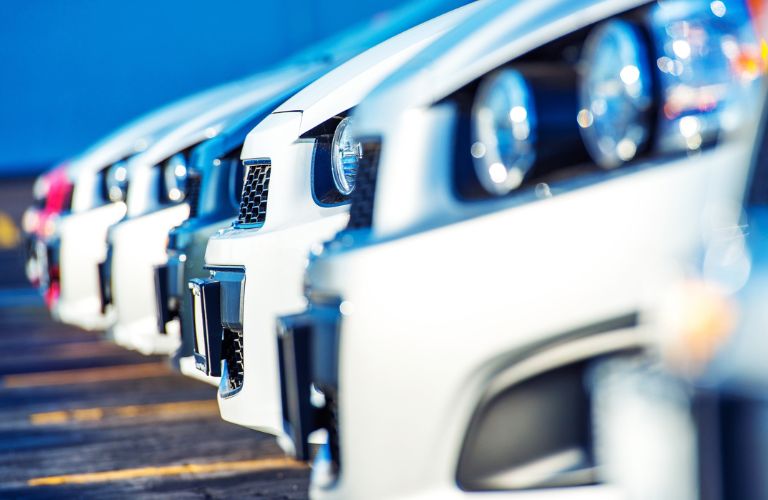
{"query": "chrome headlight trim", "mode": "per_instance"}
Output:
(503, 131)
(175, 172)
(616, 93)
(346, 152)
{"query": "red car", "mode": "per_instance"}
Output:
(53, 196)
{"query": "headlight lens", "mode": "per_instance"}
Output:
(117, 181)
(665, 78)
(616, 94)
(346, 152)
(708, 57)
(175, 176)
(40, 189)
(503, 131)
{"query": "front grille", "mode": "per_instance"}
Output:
(253, 204)
(232, 355)
(361, 200)
(105, 280)
(193, 193)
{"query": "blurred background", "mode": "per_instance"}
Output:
(74, 71)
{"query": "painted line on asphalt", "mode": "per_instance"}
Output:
(86, 375)
(259, 465)
(25, 297)
(78, 350)
(180, 409)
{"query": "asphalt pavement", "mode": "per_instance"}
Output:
(83, 418)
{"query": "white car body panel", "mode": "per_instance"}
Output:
(516, 287)
(440, 294)
(83, 231)
(187, 367)
(138, 246)
(278, 259)
(345, 86)
(132, 267)
(275, 255)
(499, 32)
(137, 136)
(83, 246)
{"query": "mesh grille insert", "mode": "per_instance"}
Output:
(361, 199)
(253, 205)
(232, 354)
(193, 193)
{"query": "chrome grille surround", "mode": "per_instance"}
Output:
(253, 203)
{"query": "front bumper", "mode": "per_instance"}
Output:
(50, 282)
(105, 280)
(169, 283)
(83, 246)
(218, 326)
(274, 263)
(308, 347)
(138, 246)
(432, 316)
(186, 260)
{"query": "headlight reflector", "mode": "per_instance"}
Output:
(117, 181)
(175, 177)
(616, 94)
(708, 61)
(503, 131)
(346, 152)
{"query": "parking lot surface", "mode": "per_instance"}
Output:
(82, 418)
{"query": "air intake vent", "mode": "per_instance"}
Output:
(361, 207)
(193, 193)
(253, 205)
(232, 355)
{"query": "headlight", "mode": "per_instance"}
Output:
(707, 57)
(662, 79)
(503, 131)
(616, 94)
(50, 226)
(346, 152)
(117, 181)
(40, 190)
(175, 177)
(30, 220)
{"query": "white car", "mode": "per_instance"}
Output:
(709, 397)
(529, 184)
(213, 207)
(155, 204)
(83, 230)
(300, 168)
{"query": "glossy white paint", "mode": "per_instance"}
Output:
(274, 266)
(275, 255)
(83, 231)
(139, 246)
(136, 137)
(497, 33)
(83, 246)
(148, 223)
(187, 367)
(441, 295)
(345, 86)
(517, 277)
(205, 125)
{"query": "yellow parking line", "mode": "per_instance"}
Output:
(86, 375)
(81, 350)
(178, 409)
(263, 464)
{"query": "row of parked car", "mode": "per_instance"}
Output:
(498, 248)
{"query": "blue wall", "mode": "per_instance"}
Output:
(71, 71)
